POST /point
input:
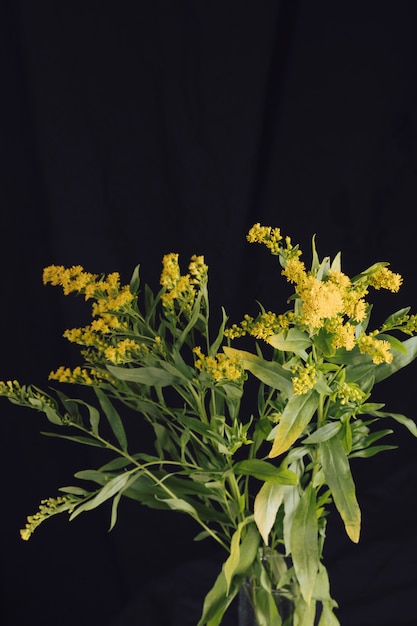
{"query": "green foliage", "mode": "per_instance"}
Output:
(258, 480)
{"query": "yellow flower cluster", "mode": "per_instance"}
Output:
(322, 300)
(124, 351)
(182, 289)
(343, 333)
(378, 349)
(68, 375)
(47, 508)
(26, 395)
(327, 298)
(112, 301)
(219, 368)
(411, 324)
(267, 235)
(262, 327)
(304, 379)
(350, 392)
(384, 278)
(9, 388)
(294, 270)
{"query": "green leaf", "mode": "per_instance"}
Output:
(339, 479)
(93, 475)
(293, 340)
(327, 617)
(400, 360)
(304, 543)
(395, 343)
(398, 417)
(268, 372)
(110, 489)
(265, 605)
(297, 414)
(76, 491)
(113, 418)
(372, 451)
(52, 415)
(94, 416)
(179, 504)
(232, 561)
(196, 312)
(263, 470)
(322, 434)
(395, 318)
(135, 281)
(267, 502)
(88, 441)
(152, 376)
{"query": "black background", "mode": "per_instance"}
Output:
(134, 129)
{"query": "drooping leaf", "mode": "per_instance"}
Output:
(268, 372)
(110, 489)
(113, 418)
(401, 419)
(263, 470)
(152, 376)
(267, 502)
(304, 543)
(339, 479)
(88, 441)
(297, 414)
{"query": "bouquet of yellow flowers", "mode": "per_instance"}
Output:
(257, 479)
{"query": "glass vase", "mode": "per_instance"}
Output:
(247, 607)
(270, 603)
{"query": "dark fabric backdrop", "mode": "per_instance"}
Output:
(134, 129)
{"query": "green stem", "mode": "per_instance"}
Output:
(148, 473)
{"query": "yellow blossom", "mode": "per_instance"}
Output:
(294, 270)
(262, 327)
(384, 278)
(220, 367)
(320, 300)
(122, 352)
(338, 278)
(304, 378)
(267, 235)
(343, 333)
(47, 508)
(378, 349)
(198, 269)
(67, 375)
(350, 392)
(170, 271)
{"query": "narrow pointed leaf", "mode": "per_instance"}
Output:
(113, 417)
(297, 414)
(304, 543)
(400, 360)
(108, 491)
(152, 376)
(268, 372)
(266, 471)
(266, 505)
(339, 479)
